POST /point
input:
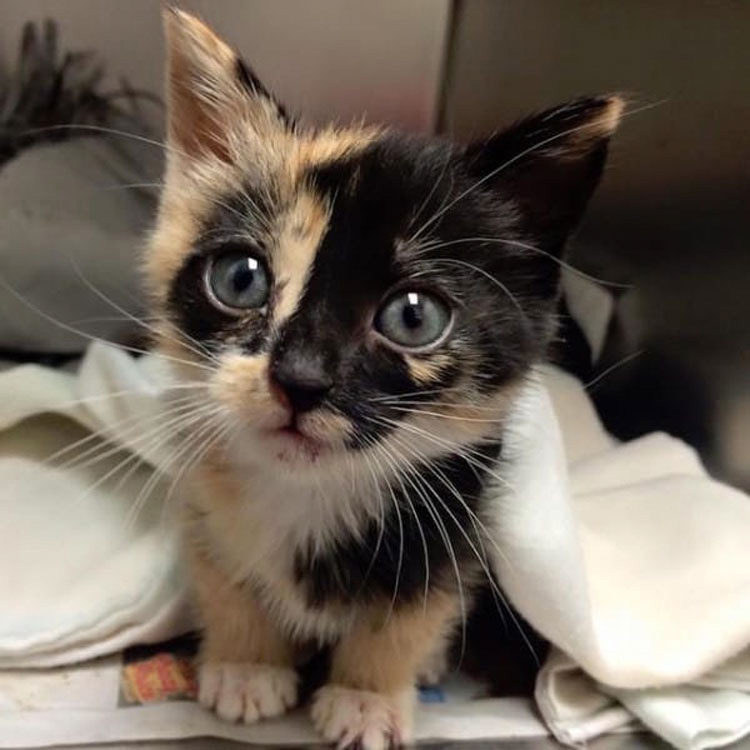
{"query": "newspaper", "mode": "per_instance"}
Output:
(148, 693)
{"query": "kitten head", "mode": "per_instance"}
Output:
(348, 293)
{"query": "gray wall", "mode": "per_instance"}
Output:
(326, 58)
(672, 214)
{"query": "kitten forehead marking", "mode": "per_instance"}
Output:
(305, 224)
(299, 239)
(277, 166)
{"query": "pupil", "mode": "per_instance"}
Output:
(413, 316)
(242, 279)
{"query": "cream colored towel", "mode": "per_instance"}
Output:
(636, 565)
(80, 575)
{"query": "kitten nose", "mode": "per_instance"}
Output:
(303, 382)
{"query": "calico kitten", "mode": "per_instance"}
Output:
(357, 309)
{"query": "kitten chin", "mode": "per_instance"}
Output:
(351, 311)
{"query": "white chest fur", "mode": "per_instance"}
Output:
(255, 532)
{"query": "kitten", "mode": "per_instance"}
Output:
(355, 309)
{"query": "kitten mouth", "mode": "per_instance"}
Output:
(293, 432)
(303, 443)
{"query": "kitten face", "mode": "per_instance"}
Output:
(356, 291)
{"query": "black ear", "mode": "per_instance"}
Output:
(548, 165)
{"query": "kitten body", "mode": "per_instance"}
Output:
(355, 311)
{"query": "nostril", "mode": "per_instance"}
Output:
(300, 385)
(278, 392)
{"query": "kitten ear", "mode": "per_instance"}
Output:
(211, 94)
(548, 165)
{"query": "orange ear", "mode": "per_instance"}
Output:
(210, 92)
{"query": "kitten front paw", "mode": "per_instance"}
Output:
(362, 719)
(247, 692)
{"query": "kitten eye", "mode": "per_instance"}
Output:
(414, 319)
(238, 281)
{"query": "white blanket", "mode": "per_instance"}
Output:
(80, 576)
(631, 560)
(636, 565)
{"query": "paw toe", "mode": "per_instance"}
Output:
(247, 691)
(362, 720)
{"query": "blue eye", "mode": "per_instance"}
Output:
(237, 281)
(414, 319)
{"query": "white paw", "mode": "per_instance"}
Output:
(361, 719)
(247, 692)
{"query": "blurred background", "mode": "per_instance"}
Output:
(669, 336)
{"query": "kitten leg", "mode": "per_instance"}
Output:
(246, 667)
(369, 701)
(435, 665)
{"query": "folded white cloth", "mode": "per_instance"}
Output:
(628, 557)
(79, 575)
(636, 565)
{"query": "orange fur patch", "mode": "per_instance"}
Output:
(299, 238)
(383, 653)
(426, 369)
(236, 629)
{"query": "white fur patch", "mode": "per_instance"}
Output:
(359, 718)
(247, 692)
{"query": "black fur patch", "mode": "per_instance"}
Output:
(203, 322)
(429, 526)
(253, 85)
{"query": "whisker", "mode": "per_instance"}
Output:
(436, 471)
(130, 392)
(411, 475)
(482, 559)
(489, 277)
(469, 406)
(493, 173)
(106, 447)
(133, 186)
(629, 358)
(431, 193)
(426, 391)
(424, 412)
(190, 442)
(200, 350)
(109, 474)
(381, 519)
(381, 449)
(89, 337)
(111, 131)
(174, 429)
(465, 451)
(526, 246)
(400, 521)
(99, 435)
(219, 434)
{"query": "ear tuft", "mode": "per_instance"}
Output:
(209, 90)
(193, 44)
(576, 128)
(549, 165)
